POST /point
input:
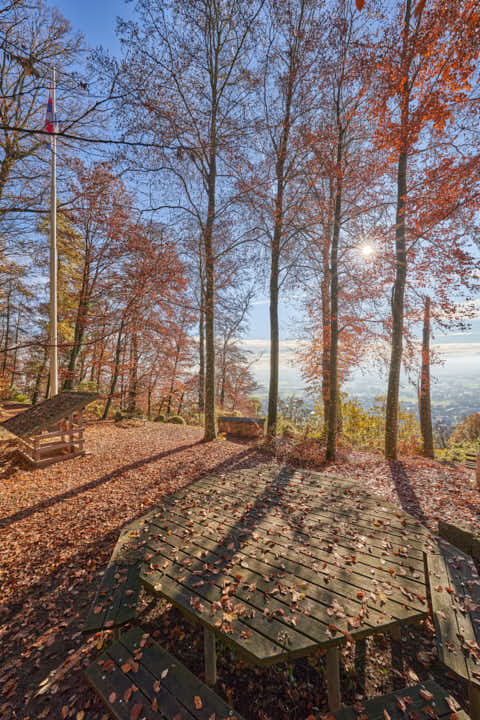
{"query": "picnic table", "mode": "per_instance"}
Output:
(280, 564)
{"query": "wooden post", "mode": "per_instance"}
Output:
(333, 679)
(80, 430)
(474, 698)
(36, 451)
(396, 633)
(210, 656)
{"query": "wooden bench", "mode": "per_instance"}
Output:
(136, 678)
(454, 587)
(463, 535)
(241, 426)
(423, 702)
(116, 601)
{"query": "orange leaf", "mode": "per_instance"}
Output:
(419, 8)
(198, 702)
(359, 4)
(135, 711)
(112, 697)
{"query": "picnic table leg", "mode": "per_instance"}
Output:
(396, 633)
(333, 679)
(474, 698)
(210, 656)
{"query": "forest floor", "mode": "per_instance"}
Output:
(58, 527)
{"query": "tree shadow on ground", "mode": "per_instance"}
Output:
(73, 492)
(406, 494)
(42, 644)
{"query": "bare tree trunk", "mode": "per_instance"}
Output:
(7, 331)
(398, 292)
(180, 403)
(38, 379)
(275, 254)
(210, 425)
(325, 329)
(80, 325)
(201, 371)
(333, 392)
(132, 384)
(15, 352)
(116, 365)
(223, 370)
(174, 377)
(274, 338)
(425, 400)
(325, 291)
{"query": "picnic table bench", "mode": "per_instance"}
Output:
(423, 702)
(454, 587)
(136, 676)
(115, 603)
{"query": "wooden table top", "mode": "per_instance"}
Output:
(280, 563)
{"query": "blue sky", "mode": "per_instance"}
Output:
(96, 19)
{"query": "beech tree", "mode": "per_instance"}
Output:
(425, 61)
(289, 39)
(33, 38)
(99, 219)
(185, 61)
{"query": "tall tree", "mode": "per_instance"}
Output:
(289, 42)
(186, 60)
(425, 64)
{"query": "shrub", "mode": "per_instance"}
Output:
(287, 429)
(468, 430)
(118, 416)
(95, 409)
(20, 397)
(176, 420)
(159, 418)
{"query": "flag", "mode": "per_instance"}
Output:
(51, 124)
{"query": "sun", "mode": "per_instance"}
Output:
(367, 250)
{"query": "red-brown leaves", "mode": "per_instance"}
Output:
(359, 4)
(419, 8)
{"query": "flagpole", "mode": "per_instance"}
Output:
(53, 254)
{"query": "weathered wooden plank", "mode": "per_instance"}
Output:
(113, 685)
(313, 525)
(155, 692)
(249, 587)
(179, 681)
(326, 539)
(135, 671)
(367, 506)
(415, 703)
(255, 647)
(313, 584)
(251, 620)
(445, 617)
(359, 576)
(120, 585)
